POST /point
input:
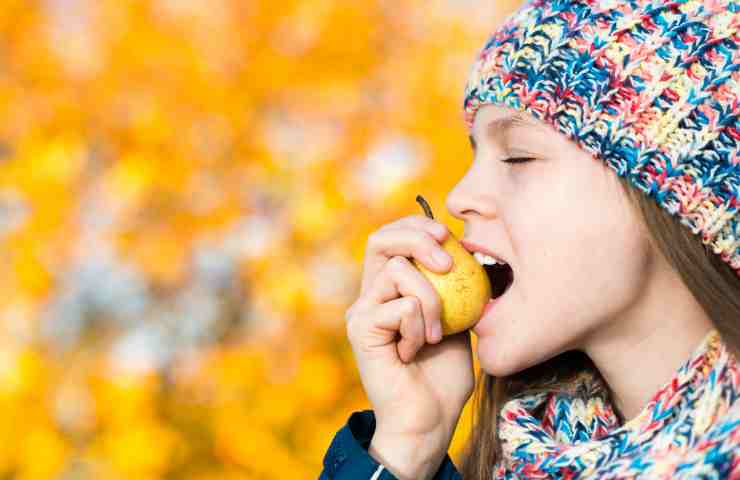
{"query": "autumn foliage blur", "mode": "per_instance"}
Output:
(186, 188)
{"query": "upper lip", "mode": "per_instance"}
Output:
(474, 247)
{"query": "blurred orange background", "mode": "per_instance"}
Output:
(186, 189)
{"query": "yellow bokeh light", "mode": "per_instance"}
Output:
(174, 177)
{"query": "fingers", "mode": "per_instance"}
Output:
(419, 222)
(399, 278)
(396, 298)
(398, 316)
(404, 316)
(415, 236)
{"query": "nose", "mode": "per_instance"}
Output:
(470, 197)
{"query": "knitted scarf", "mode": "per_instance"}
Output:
(690, 428)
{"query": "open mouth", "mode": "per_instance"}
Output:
(501, 277)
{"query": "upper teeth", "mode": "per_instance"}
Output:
(484, 259)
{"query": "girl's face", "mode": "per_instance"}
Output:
(579, 253)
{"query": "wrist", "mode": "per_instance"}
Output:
(408, 458)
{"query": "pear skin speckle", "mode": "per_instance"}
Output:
(464, 290)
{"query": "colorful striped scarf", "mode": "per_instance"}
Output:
(689, 429)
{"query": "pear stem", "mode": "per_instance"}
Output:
(425, 206)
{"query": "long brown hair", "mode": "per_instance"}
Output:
(712, 282)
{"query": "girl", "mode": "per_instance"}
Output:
(613, 351)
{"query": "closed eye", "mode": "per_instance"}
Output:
(517, 160)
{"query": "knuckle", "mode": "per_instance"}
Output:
(349, 331)
(422, 236)
(409, 307)
(348, 314)
(417, 337)
(396, 263)
(413, 218)
(372, 239)
(424, 220)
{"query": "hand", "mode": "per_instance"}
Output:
(418, 384)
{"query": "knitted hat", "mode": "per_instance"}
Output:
(649, 87)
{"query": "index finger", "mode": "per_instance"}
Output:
(400, 241)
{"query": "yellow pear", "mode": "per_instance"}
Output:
(464, 290)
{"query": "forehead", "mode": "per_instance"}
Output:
(494, 121)
(503, 117)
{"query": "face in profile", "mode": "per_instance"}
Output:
(579, 254)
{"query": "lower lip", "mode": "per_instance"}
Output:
(489, 306)
(487, 314)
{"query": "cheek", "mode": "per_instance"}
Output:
(581, 257)
(590, 264)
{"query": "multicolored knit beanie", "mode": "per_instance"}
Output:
(649, 87)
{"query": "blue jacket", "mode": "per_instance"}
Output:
(347, 457)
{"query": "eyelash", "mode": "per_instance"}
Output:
(521, 160)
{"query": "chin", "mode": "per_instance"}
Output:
(494, 360)
(498, 361)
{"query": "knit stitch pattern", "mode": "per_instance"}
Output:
(648, 87)
(689, 429)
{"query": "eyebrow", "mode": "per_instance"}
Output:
(499, 127)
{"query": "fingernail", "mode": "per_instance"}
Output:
(440, 229)
(436, 332)
(441, 258)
